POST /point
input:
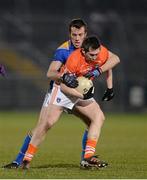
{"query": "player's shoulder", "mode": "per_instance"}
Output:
(63, 51)
(102, 55)
(103, 51)
(76, 52)
(64, 46)
(103, 48)
(74, 57)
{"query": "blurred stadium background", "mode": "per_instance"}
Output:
(31, 30)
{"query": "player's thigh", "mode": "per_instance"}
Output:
(53, 114)
(49, 115)
(92, 110)
(77, 112)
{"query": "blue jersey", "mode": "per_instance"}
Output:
(62, 53)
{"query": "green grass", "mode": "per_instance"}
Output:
(123, 143)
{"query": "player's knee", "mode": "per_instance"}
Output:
(50, 124)
(100, 118)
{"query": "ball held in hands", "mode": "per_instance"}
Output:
(85, 87)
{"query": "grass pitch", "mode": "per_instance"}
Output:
(123, 143)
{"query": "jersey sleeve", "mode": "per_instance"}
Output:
(59, 56)
(103, 55)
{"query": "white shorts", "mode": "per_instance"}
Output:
(58, 98)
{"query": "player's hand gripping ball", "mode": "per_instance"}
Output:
(85, 87)
(69, 80)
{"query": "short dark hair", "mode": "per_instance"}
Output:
(78, 23)
(90, 42)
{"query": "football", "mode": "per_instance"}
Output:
(84, 84)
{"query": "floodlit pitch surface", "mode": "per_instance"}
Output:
(123, 143)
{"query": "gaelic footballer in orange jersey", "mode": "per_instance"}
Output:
(79, 65)
(89, 58)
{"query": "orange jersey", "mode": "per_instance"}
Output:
(77, 64)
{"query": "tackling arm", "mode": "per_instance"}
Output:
(109, 94)
(109, 79)
(53, 70)
(112, 61)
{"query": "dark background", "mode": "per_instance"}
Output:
(31, 30)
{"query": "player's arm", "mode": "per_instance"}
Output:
(70, 91)
(69, 72)
(74, 93)
(53, 70)
(111, 62)
(69, 81)
(108, 94)
(71, 68)
(109, 79)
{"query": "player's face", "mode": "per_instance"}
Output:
(77, 36)
(92, 54)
